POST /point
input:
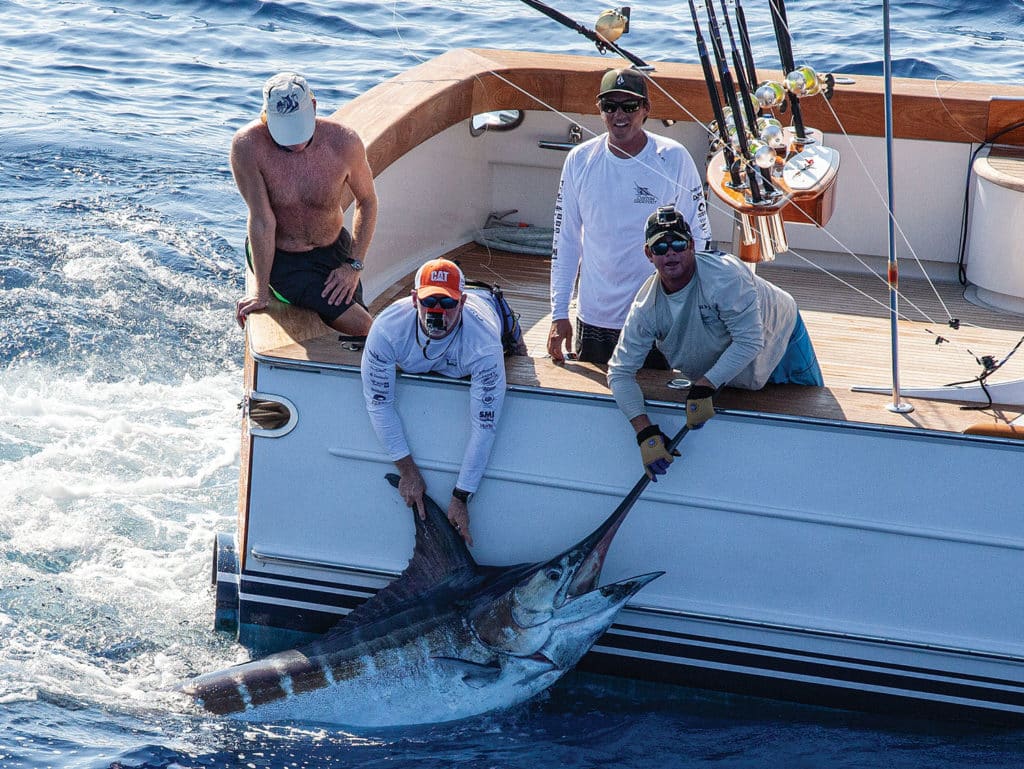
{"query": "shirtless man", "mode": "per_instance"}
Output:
(292, 168)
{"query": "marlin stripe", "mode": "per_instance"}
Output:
(223, 700)
(264, 686)
(306, 677)
(345, 669)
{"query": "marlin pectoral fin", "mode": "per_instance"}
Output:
(474, 674)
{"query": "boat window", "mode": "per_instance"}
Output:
(499, 120)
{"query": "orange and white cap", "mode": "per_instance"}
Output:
(440, 277)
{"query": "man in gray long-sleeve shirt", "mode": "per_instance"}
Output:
(715, 321)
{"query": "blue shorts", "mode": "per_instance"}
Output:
(799, 364)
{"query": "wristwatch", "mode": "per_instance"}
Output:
(355, 264)
(462, 496)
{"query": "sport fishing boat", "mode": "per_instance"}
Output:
(859, 544)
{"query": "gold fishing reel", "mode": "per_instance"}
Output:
(612, 24)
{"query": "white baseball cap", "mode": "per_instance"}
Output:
(288, 106)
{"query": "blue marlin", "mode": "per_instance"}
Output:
(447, 639)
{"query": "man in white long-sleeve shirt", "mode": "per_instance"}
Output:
(715, 321)
(609, 185)
(443, 329)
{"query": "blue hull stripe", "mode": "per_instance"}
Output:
(688, 659)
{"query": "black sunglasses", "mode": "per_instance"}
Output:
(629, 107)
(676, 243)
(445, 302)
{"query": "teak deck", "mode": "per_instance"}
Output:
(850, 333)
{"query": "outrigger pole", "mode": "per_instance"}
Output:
(896, 406)
(599, 40)
(785, 43)
(716, 100)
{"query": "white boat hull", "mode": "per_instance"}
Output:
(802, 556)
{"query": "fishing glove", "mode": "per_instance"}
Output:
(654, 451)
(699, 408)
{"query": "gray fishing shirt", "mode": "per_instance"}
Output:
(727, 324)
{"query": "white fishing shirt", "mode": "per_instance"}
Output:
(473, 349)
(600, 214)
(727, 324)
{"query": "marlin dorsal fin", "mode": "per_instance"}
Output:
(440, 560)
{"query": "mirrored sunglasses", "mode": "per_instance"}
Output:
(676, 243)
(444, 302)
(629, 107)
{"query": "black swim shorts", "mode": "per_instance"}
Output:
(595, 344)
(298, 277)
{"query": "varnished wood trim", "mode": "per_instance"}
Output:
(401, 113)
(996, 430)
(1003, 166)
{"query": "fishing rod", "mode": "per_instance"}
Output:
(716, 100)
(741, 76)
(762, 155)
(785, 44)
(725, 77)
(617, 27)
(760, 152)
(748, 51)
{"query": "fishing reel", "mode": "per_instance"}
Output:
(805, 81)
(802, 81)
(611, 25)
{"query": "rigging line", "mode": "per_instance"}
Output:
(889, 213)
(711, 201)
(884, 305)
(939, 96)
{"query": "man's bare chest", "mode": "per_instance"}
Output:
(311, 182)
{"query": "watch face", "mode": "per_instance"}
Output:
(356, 264)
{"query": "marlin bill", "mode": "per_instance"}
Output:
(448, 639)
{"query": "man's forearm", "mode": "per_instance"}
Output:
(364, 222)
(262, 244)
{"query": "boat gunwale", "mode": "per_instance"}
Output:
(740, 413)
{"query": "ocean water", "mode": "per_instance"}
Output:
(120, 375)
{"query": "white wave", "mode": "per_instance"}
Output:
(112, 494)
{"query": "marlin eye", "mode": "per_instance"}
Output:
(553, 574)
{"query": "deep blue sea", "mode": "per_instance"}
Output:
(120, 375)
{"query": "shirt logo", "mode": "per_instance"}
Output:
(643, 195)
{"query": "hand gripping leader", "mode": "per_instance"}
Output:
(654, 451)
